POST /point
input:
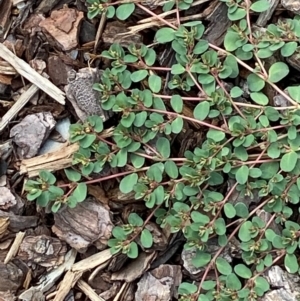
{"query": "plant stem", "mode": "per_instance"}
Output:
(121, 174)
(258, 74)
(184, 117)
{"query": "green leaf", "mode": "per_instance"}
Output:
(55, 207)
(127, 183)
(242, 174)
(255, 172)
(177, 69)
(177, 103)
(55, 192)
(43, 199)
(223, 266)
(158, 104)
(238, 14)
(139, 75)
(203, 298)
(220, 226)
(201, 111)
(230, 40)
(150, 57)
(215, 135)
(200, 47)
(274, 150)
(163, 147)
(262, 283)
(165, 35)
(137, 161)
(260, 6)
(288, 49)
(244, 231)
(80, 192)
(146, 238)
(135, 220)
(198, 217)
(278, 71)
(294, 92)
(140, 119)
(241, 210)
(236, 92)
(186, 288)
(32, 195)
(96, 122)
(159, 195)
(87, 141)
(119, 233)
(208, 285)
(125, 10)
(288, 161)
(154, 83)
(291, 263)
(255, 82)
(110, 12)
(47, 176)
(260, 98)
(129, 58)
(201, 259)
(243, 271)
(229, 210)
(233, 282)
(241, 153)
(93, 13)
(72, 201)
(133, 250)
(72, 175)
(171, 169)
(177, 125)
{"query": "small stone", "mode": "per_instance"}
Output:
(116, 32)
(58, 71)
(292, 5)
(7, 199)
(87, 32)
(62, 28)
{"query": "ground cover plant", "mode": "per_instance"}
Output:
(247, 141)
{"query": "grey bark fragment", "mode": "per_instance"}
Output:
(44, 250)
(266, 15)
(160, 284)
(80, 92)
(7, 199)
(292, 5)
(86, 224)
(31, 132)
(288, 287)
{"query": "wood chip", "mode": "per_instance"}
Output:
(135, 269)
(57, 160)
(66, 285)
(4, 223)
(30, 74)
(92, 261)
(49, 280)
(62, 27)
(88, 291)
(15, 247)
(15, 109)
(5, 11)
